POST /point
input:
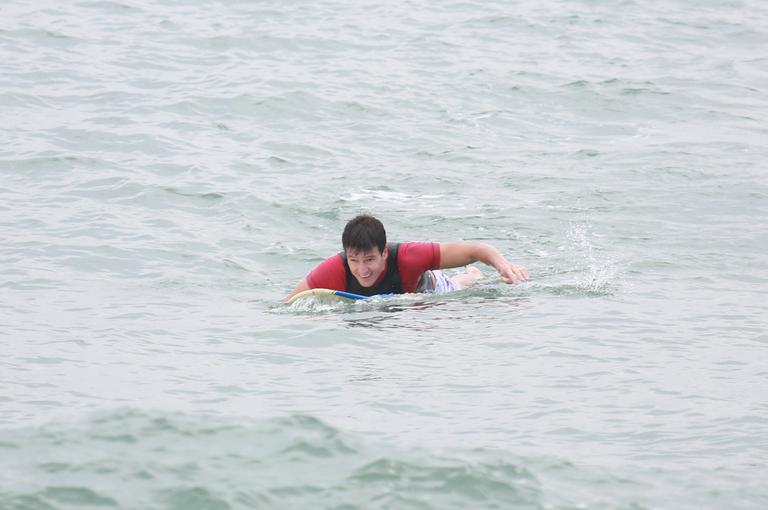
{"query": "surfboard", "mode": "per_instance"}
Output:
(333, 294)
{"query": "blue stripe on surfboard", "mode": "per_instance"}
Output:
(349, 295)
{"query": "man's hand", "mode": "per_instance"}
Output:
(511, 273)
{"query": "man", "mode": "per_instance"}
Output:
(369, 265)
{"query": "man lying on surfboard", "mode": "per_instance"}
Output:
(369, 265)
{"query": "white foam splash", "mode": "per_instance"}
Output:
(596, 272)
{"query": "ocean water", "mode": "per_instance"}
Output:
(169, 170)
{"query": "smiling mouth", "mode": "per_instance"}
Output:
(365, 277)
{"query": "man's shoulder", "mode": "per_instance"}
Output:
(332, 263)
(418, 252)
(329, 274)
(417, 245)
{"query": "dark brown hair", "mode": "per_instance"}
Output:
(362, 233)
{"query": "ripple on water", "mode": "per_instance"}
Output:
(170, 169)
(181, 460)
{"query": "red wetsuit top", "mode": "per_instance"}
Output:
(412, 260)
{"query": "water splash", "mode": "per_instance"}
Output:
(318, 304)
(598, 270)
(580, 266)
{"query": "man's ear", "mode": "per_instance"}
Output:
(385, 253)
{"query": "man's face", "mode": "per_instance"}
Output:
(367, 266)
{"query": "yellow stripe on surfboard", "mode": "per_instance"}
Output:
(319, 293)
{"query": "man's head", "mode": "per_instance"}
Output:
(365, 243)
(363, 233)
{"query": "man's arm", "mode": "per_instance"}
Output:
(301, 287)
(461, 254)
(329, 274)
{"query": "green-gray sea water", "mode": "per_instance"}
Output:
(169, 170)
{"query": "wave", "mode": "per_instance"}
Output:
(141, 459)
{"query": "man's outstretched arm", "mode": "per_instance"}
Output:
(461, 254)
